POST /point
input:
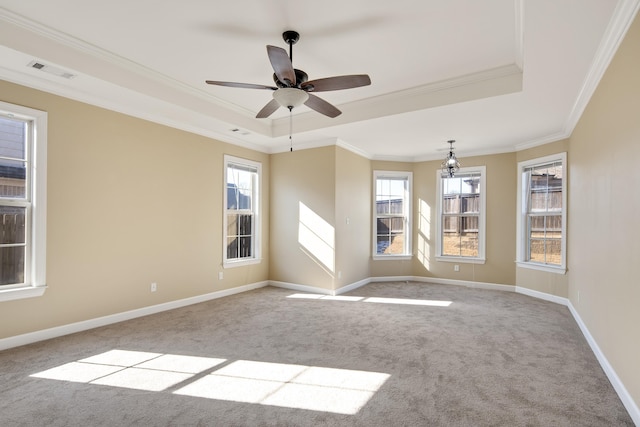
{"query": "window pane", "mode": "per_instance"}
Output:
(12, 178)
(382, 243)
(470, 223)
(451, 204)
(538, 200)
(470, 185)
(537, 236)
(239, 236)
(12, 265)
(392, 243)
(470, 203)
(232, 247)
(451, 223)
(12, 225)
(554, 199)
(451, 244)
(451, 186)
(390, 235)
(460, 244)
(553, 250)
(545, 234)
(244, 249)
(536, 250)
(469, 244)
(13, 134)
(239, 187)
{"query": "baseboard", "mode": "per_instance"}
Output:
(302, 288)
(619, 387)
(542, 295)
(58, 331)
(353, 286)
(466, 283)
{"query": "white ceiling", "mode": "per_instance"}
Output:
(495, 75)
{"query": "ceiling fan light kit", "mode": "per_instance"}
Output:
(290, 97)
(293, 85)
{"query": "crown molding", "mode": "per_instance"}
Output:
(619, 23)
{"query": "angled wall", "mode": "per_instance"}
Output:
(604, 202)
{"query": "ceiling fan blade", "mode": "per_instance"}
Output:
(336, 83)
(322, 106)
(281, 64)
(268, 109)
(240, 85)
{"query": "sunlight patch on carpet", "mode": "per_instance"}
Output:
(341, 391)
(378, 300)
(315, 388)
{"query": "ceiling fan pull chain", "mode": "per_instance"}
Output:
(291, 129)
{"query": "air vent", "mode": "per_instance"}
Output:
(51, 70)
(241, 131)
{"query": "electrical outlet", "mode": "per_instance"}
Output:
(154, 287)
(456, 267)
(220, 275)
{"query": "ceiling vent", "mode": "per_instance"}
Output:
(240, 131)
(51, 70)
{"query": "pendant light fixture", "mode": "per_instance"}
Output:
(450, 165)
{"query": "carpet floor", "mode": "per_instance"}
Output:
(396, 353)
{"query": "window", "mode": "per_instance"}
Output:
(392, 207)
(461, 216)
(542, 214)
(241, 216)
(23, 153)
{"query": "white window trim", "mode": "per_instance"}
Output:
(481, 258)
(35, 277)
(521, 249)
(408, 232)
(256, 259)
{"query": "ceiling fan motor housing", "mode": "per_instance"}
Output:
(301, 77)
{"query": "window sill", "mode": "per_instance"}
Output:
(392, 257)
(461, 260)
(241, 263)
(542, 267)
(21, 293)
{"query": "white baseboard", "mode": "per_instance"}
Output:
(466, 283)
(352, 286)
(542, 295)
(302, 288)
(619, 387)
(72, 328)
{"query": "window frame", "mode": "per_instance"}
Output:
(35, 202)
(522, 213)
(256, 212)
(407, 214)
(482, 214)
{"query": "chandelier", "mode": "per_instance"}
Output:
(450, 165)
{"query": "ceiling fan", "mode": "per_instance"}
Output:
(293, 86)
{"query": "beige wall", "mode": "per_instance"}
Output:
(129, 203)
(604, 202)
(353, 217)
(499, 267)
(303, 179)
(543, 281)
